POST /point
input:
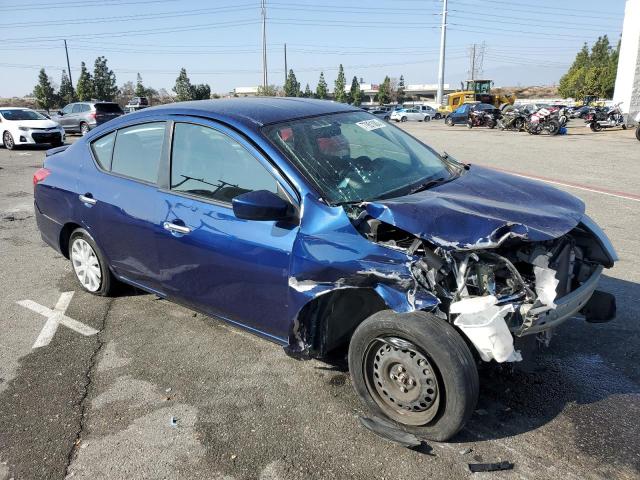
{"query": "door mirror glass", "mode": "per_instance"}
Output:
(60, 113)
(261, 205)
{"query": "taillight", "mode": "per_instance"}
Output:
(92, 115)
(40, 175)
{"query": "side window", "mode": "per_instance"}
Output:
(208, 163)
(66, 110)
(102, 150)
(137, 151)
(85, 108)
(77, 108)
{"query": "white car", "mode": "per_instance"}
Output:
(411, 114)
(23, 126)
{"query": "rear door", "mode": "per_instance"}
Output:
(66, 118)
(208, 258)
(120, 198)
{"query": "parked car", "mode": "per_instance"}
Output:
(320, 227)
(383, 114)
(136, 103)
(81, 117)
(579, 112)
(411, 114)
(461, 114)
(23, 126)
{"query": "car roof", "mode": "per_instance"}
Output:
(15, 108)
(253, 111)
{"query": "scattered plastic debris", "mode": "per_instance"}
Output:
(482, 411)
(466, 451)
(168, 390)
(234, 456)
(173, 422)
(490, 467)
(390, 432)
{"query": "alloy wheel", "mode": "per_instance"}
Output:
(84, 129)
(86, 265)
(8, 141)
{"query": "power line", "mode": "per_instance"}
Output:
(86, 4)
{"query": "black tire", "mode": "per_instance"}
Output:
(84, 128)
(624, 127)
(491, 123)
(7, 139)
(437, 116)
(108, 282)
(452, 370)
(403, 119)
(638, 133)
(553, 127)
(595, 126)
(427, 118)
(449, 121)
(469, 123)
(518, 124)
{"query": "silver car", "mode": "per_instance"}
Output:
(81, 117)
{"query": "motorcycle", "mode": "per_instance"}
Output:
(563, 116)
(480, 118)
(598, 119)
(542, 121)
(638, 127)
(512, 119)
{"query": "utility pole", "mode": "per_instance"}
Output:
(68, 64)
(443, 41)
(473, 62)
(285, 64)
(264, 44)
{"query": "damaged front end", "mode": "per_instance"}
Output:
(505, 285)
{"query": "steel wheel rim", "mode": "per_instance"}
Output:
(402, 381)
(86, 265)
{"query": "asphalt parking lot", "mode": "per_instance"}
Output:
(163, 392)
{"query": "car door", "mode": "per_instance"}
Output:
(460, 114)
(208, 258)
(120, 200)
(65, 119)
(76, 115)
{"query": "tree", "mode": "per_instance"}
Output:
(338, 90)
(84, 90)
(291, 86)
(384, 91)
(355, 94)
(125, 93)
(268, 91)
(44, 93)
(321, 89)
(104, 80)
(66, 94)
(307, 92)
(140, 91)
(400, 92)
(201, 92)
(183, 87)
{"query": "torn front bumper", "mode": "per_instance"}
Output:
(566, 307)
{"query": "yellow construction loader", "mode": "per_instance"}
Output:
(475, 91)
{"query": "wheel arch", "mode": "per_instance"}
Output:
(65, 236)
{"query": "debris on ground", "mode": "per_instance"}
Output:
(466, 451)
(482, 411)
(173, 422)
(390, 432)
(490, 467)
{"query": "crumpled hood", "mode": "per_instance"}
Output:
(482, 208)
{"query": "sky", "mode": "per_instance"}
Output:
(219, 42)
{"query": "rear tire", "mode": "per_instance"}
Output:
(449, 121)
(427, 118)
(595, 126)
(89, 264)
(429, 370)
(84, 128)
(638, 133)
(403, 119)
(553, 127)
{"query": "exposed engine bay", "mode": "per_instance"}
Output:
(514, 288)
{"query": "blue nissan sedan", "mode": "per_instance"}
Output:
(323, 228)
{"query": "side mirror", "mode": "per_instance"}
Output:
(261, 205)
(60, 113)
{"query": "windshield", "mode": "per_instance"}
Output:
(354, 156)
(18, 114)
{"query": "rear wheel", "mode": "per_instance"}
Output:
(449, 121)
(437, 116)
(84, 128)
(89, 264)
(7, 139)
(469, 123)
(491, 123)
(403, 119)
(427, 118)
(595, 126)
(518, 124)
(553, 127)
(415, 370)
(624, 127)
(638, 132)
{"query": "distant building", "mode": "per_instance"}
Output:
(245, 91)
(627, 89)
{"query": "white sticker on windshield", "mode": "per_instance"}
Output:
(372, 124)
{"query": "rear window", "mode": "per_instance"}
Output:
(108, 108)
(137, 151)
(102, 149)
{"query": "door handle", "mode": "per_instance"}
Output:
(87, 198)
(173, 228)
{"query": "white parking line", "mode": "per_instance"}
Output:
(56, 317)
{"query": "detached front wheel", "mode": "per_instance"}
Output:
(415, 370)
